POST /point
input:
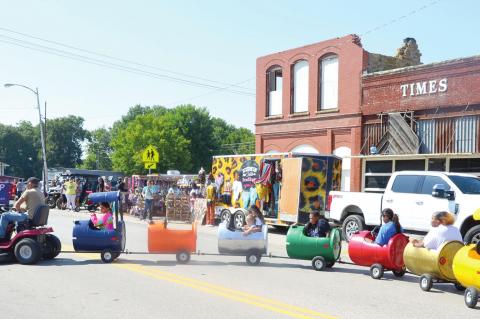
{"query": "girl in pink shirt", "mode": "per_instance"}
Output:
(105, 221)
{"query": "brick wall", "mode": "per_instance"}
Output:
(383, 91)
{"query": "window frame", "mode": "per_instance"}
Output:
(292, 86)
(330, 55)
(274, 69)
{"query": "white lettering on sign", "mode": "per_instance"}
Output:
(424, 88)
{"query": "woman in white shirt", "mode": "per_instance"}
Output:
(442, 231)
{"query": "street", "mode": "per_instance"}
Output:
(154, 286)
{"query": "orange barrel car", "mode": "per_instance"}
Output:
(182, 242)
(432, 265)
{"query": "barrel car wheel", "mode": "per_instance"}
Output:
(471, 297)
(376, 271)
(459, 287)
(426, 282)
(183, 257)
(107, 256)
(253, 258)
(319, 263)
(399, 273)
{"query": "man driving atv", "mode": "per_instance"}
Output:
(28, 202)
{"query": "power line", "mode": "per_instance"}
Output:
(86, 59)
(174, 103)
(120, 59)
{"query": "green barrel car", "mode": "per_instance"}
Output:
(322, 251)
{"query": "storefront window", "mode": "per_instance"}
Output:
(465, 165)
(379, 167)
(437, 164)
(409, 165)
(300, 87)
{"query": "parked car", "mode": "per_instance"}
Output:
(414, 196)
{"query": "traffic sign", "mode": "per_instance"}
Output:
(150, 155)
(150, 165)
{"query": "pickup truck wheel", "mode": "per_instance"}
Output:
(473, 235)
(351, 225)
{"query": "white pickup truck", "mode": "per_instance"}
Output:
(414, 196)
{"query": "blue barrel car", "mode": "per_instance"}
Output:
(109, 243)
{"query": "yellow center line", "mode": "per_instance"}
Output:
(228, 293)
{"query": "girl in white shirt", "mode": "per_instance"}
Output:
(442, 231)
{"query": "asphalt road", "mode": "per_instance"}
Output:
(155, 286)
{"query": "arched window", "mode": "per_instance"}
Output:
(328, 82)
(300, 87)
(305, 149)
(272, 152)
(344, 152)
(274, 91)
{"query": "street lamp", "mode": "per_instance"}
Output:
(45, 172)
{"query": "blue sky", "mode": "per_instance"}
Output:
(216, 40)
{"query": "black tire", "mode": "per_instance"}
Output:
(330, 264)
(473, 235)
(399, 273)
(477, 248)
(52, 248)
(27, 251)
(459, 287)
(60, 203)
(107, 256)
(426, 282)
(376, 271)
(77, 208)
(239, 219)
(183, 257)
(225, 216)
(51, 202)
(351, 225)
(471, 297)
(253, 258)
(319, 263)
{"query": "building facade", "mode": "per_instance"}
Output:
(335, 97)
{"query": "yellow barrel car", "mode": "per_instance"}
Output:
(466, 267)
(432, 265)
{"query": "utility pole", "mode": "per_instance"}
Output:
(42, 137)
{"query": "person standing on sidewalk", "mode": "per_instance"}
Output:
(71, 193)
(210, 218)
(147, 194)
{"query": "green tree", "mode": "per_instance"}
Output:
(98, 150)
(64, 138)
(19, 149)
(150, 129)
(195, 125)
(184, 132)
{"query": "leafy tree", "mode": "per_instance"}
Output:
(98, 150)
(186, 133)
(196, 126)
(150, 129)
(19, 149)
(64, 138)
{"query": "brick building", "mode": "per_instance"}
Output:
(335, 97)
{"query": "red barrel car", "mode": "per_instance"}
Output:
(363, 251)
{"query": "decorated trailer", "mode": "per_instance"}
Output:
(286, 186)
